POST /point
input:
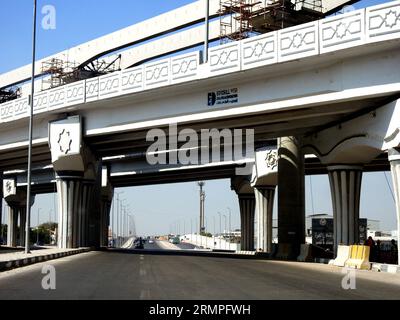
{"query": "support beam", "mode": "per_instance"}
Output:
(291, 197)
(345, 183)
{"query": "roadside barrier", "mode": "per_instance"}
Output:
(249, 253)
(343, 254)
(305, 253)
(283, 251)
(359, 258)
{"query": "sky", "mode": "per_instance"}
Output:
(156, 209)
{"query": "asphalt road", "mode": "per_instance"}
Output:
(113, 275)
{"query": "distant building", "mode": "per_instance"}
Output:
(371, 225)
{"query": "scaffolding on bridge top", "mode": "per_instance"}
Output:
(239, 19)
(60, 72)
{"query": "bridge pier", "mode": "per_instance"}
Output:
(291, 197)
(16, 203)
(77, 175)
(247, 202)
(394, 158)
(345, 183)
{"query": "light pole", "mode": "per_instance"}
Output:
(117, 218)
(230, 226)
(50, 225)
(37, 227)
(220, 227)
(28, 181)
(207, 31)
(121, 222)
(214, 232)
(225, 220)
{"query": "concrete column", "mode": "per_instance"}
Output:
(394, 157)
(264, 209)
(12, 226)
(16, 202)
(291, 197)
(247, 203)
(345, 183)
(94, 209)
(247, 206)
(70, 219)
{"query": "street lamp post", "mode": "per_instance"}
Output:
(230, 226)
(220, 227)
(225, 220)
(28, 188)
(214, 232)
(117, 219)
(207, 31)
(37, 227)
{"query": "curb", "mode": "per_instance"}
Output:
(8, 265)
(323, 260)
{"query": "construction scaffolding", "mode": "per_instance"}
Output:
(236, 19)
(9, 94)
(239, 19)
(59, 72)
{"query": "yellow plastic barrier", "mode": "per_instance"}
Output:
(359, 258)
(343, 254)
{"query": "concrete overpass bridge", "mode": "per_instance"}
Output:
(320, 97)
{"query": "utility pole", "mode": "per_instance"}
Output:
(29, 178)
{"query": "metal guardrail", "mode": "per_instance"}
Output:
(349, 30)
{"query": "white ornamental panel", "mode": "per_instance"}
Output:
(157, 74)
(57, 98)
(342, 31)
(132, 80)
(7, 111)
(40, 102)
(260, 51)
(266, 165)
(75, 93)
(21, 108)
(109, 85)
(92, 89)
(224, 59)
(383, 22)
(298, 42)
(9, 187)
(65, 141)
(185, 67)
